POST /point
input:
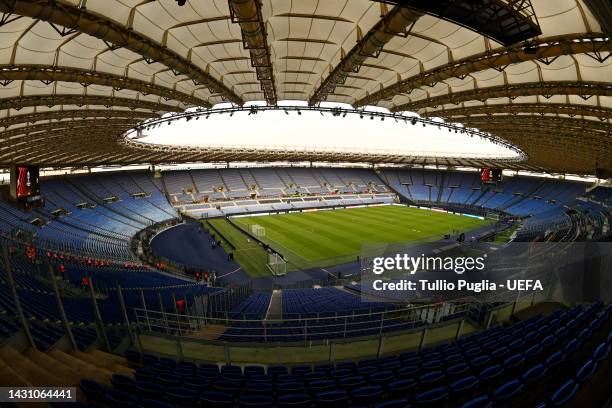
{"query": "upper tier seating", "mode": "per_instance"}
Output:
(521, 196)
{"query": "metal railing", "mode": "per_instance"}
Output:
(302, 328)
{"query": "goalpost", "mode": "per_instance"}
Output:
(276, 264)
(258, 230)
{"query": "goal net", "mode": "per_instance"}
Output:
(492, 216)
(258, 231)
(276, 264)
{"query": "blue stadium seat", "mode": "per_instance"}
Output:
(464, 387)
(401, 388)
(534, 374)
(564, 393)
(182, 396)
(151, 403)
(602, 352)
(331, 399)
(366, 395)
(293, 401)
(93, 390)
(481, 401)
(122, 382)
(586, 371)
(217, 399)
(397, 403)
(121, 399)
(256, 401)
(145, 389)
(507, 392)
(434, 397)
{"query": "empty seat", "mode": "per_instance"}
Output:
(586, 371)
(256, 401)
(321, 385)
(293, 401)
(464, 387)
(121, 399)
(564, 393)
(535, 374)
(508, 391)
(145, 389)
(151, 403)
(182, 396)
(93, 390)
(122, 382)
(396, 403)
(482, 401)
(434, 397)
(259, 388)
(331, 399)
(215, 399)
(602, 352)
(366, 395)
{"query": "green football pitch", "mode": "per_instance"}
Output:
(326, 238)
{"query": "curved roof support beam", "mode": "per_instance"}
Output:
(395, 22)
(547, 89)
(537, 121)
(513, 109)
(20, 102)
(557, 136)
(47, 75)
(247, 13)
(75, 113)
(73, 150)
(544, 49)
(506, 22)
(116, 36)
(46, 129)
(566, 142)
(602, 10)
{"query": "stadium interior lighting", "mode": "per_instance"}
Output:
(529, 48)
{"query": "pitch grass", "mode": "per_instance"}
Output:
(247, 253)
(326, 238)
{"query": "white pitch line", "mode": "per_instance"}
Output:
(229, 273)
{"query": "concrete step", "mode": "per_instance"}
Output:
(102, 361)
(69, 375)
(275, 308)
(85, 369)
(10, 378)
(29, 370)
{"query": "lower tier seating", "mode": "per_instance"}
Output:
(542, 361)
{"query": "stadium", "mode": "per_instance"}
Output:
(313, 203)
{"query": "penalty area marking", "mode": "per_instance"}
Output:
(229, 273)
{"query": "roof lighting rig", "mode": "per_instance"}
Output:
(324, 111)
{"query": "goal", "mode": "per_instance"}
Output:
(276, 264)
(258, 231)
(492, 216)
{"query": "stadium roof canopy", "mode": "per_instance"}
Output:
(76, 74)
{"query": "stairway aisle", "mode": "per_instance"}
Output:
(275, 308)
